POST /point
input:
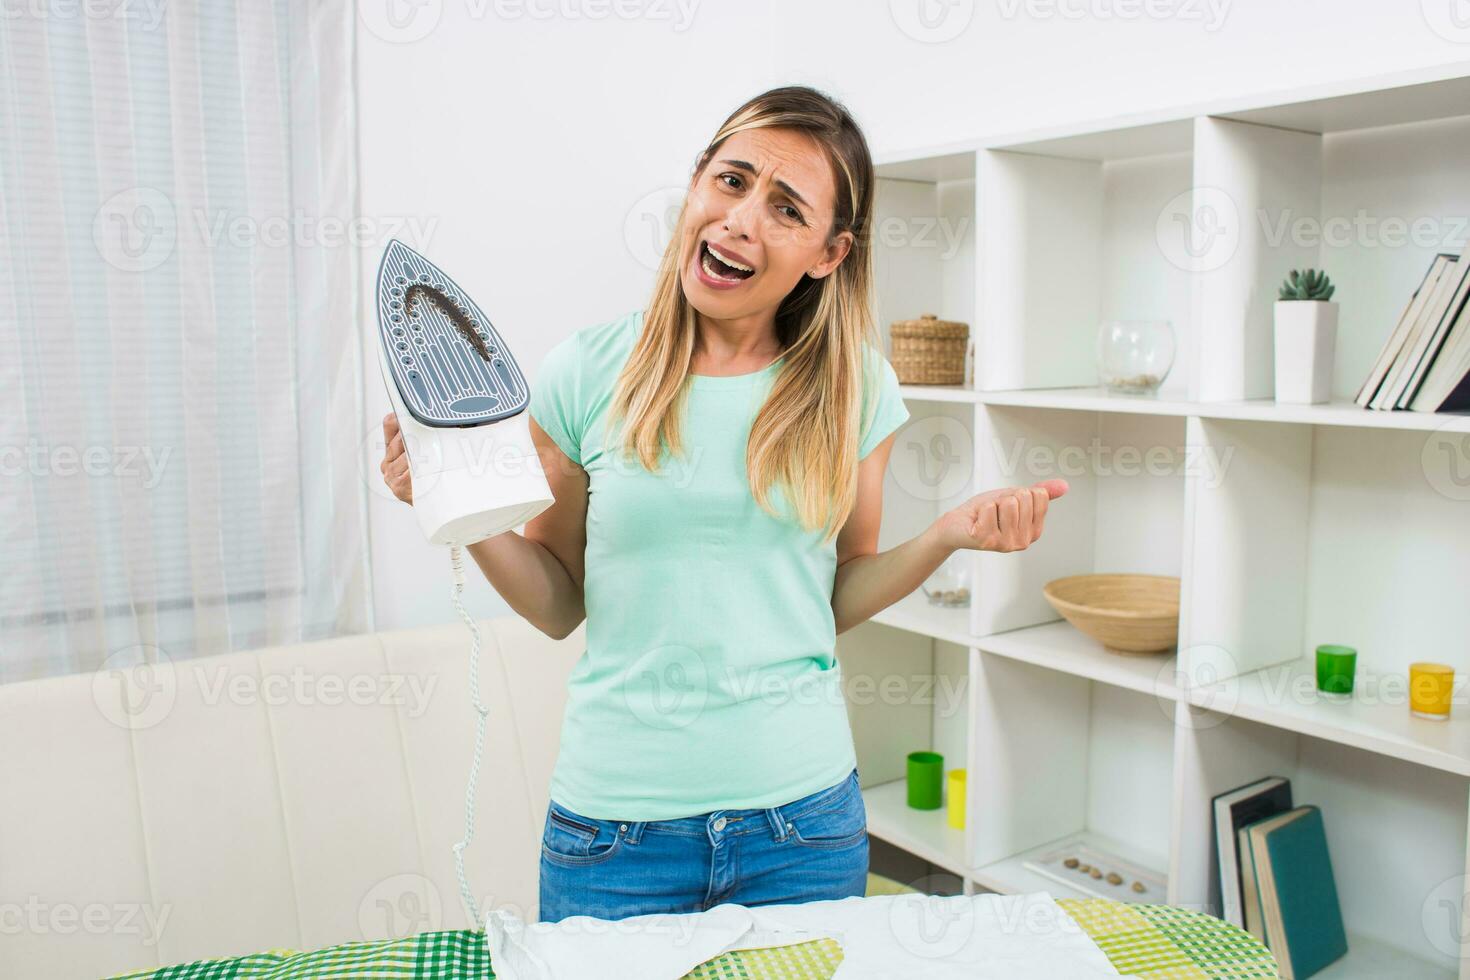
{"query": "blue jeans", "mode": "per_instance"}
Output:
(810, 849)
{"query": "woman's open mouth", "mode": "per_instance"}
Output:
(720, 271)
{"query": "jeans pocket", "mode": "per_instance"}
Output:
(572, 840)
(839, 821)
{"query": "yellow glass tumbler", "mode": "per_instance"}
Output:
(956, 790)
(1430, 687)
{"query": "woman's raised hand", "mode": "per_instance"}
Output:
(1008, 519)
(395, 460)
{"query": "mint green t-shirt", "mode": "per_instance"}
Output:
(710, 679)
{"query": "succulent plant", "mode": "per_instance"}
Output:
(1309, 285)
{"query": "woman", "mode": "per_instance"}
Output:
(704, 453)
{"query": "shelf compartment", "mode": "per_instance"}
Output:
(1396, 832)
(1067, 756)
(1368, 959)
(1272, 696)
(938, 393)
(914, 614)
(924, 833)
(1062, 647)
(1338, 412)
(1123, 511)
(1011, 876)
(1309, 535)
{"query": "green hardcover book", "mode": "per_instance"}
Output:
(1298, 896)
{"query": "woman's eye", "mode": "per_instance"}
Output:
(795, 214)
(733, 178)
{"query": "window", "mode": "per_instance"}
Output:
(180, 380)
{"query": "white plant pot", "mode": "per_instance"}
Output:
(1306, 338)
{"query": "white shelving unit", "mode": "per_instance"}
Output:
(1288, 525)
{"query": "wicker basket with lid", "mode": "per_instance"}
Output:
(929, 351)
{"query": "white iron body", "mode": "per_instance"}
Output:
(474, 482)
(461, 402)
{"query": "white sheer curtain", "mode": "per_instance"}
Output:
(180, 390)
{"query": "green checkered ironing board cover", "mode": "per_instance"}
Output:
(1155, 942)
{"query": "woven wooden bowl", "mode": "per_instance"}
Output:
(1125, 613)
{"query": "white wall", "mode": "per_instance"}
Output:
(537, 151)
(527, 145)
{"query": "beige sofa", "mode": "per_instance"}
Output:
(298, 796)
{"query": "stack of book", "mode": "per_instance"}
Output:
(1425, 365)
(1276, 876)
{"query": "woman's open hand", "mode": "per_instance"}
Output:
(395, 460)
(1008, 519)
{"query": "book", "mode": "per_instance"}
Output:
(1250, 899)
(1407, 319)
(1233, 810)
(1296, 891)
(1430, 313)
(1435, 338)
(1446, 385)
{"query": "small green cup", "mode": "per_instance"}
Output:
(926, 780)
(1336, 665)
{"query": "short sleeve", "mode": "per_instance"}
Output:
(890, 411)
(556, 402)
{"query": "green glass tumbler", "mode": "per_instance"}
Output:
(1336, 665)
(926, 780)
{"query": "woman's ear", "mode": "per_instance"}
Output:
(836, 251)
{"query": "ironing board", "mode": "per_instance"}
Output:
(1154, 942)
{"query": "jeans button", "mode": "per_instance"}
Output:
(720, 824)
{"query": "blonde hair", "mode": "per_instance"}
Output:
(805, 437)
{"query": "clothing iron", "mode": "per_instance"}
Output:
(460, 399)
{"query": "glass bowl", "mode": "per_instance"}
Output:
(949, 585)
(1134, 356)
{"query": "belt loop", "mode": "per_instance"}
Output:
(635, 831)
(778, 822)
